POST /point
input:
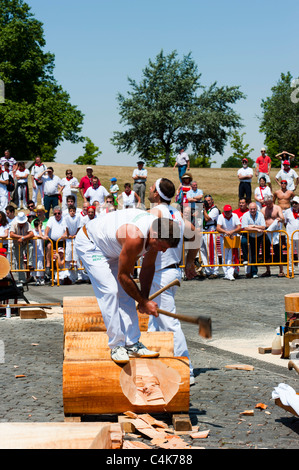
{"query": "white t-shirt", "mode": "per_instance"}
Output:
(57, 228)
(68, 186)
(228, 224)
(245, 172)
(51, 184)
(73, 223)
(2, 230)
(98, 194)
(37, 170)
(182, 158)
(292, 224)
(23, 175)
(142, 172)
(289, 176)
(172, 255)
(260, 193)
(102, 230)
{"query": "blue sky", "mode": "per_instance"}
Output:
(98, 44)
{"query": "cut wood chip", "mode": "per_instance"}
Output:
(240, 367)
(200, 434)
(262, 406)
(247, 413)
(19, 376)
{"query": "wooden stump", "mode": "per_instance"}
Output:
(89, 346)
(291, 304)
(103, 387)
(83, 314)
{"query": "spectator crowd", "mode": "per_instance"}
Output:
(37, 233)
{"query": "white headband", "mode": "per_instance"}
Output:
(157, 184)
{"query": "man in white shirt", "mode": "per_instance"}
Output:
(287, 173)
(253, 222)
(228, 225)
(182, 162)
(37, 183)
(291, 219)
(95, 192)
(52, 183)
(245, 175)
(56, 233)
(139, 176)
(208, 250)
(10, 160)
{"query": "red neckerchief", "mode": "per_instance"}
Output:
(36, 164)
(128, 194)
(69, 178)
(227, 218)
(295, 214)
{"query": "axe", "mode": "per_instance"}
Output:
(204, 323)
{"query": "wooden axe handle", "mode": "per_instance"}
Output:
(204, 323)
(176, 282)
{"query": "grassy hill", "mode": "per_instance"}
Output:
(221, 183)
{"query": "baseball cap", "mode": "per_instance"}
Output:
(227, 208)
(286, 162)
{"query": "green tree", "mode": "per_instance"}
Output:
(165, 110)
(37, 114)
(240, 149)
(91, 154)
(280, 119)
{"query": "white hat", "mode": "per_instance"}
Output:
(21, 218)
(263, 149)
(295, 199)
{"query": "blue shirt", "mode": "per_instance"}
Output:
(248, 219)
(191, 194)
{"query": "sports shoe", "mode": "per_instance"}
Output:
(139, 350)
(119, 355)
(255, 276)
(192, 380)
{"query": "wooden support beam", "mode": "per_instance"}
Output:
(32, 313)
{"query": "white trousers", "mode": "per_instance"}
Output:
(166, 301)
(117, 307)
(209, 253)
(35, 191)
(227, 258)
(3, 203)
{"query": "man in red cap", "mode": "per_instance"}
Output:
(245, 175)
(287, 174)
(228, 225)
(283, 196)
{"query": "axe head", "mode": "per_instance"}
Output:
(205, 327)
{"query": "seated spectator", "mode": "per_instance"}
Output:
(21, 233)
(253, 222)
(128, 198)
(61, 271)
(274, 219)
(184, 187)
(108, 206)
(96, 191)
(228, 225)
(70, 186)
(260, 192)
(55, 233)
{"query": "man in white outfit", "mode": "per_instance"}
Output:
(167, 267)
(228, 225)
(108, 247)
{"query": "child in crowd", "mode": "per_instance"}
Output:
(114, 189)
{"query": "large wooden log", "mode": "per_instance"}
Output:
(84, 314)
(291, 304)
(103, 387)
(82, 346)
(58, 436)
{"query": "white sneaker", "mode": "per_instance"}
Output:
(42, 282)
(119, 355)
(255, 276)
(139, 350)
(231, 278)
(192, 380)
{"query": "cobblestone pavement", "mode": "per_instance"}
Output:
(241, 311)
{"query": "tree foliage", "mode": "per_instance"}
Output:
(37, 114)
(280, 119)
(240, 151)
(91, 154)
(171, 108)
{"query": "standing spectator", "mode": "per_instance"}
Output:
(228, 225)
(285, 156)
(52, 183)
(245, 175)
(70, 186)
(37, 182)
(242, 209)
(4, 179)
(274, 218)
(95, 192)
(71, 202)
(288, 174)
(73, 224)
(283, 196)
(21, 233)
(86, 181)
(263, 167)
(182, 162)
(254, 223)
(291, 219)
(38, 252)
(10, 214)
(114, 188)
(183, 189)
(139, 176)
(83, 212)
(194, 195)
(11, 162)
(55, 232)
(128, 198)
(260, 192)
(208, 249)
(4, 230)
(22, 175)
